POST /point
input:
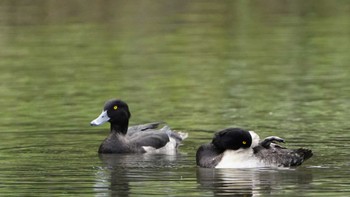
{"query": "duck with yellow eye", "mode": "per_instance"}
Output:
(136, 139)
(238, 148)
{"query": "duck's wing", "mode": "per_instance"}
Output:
(143, 127)
(275, 155)
(266, 143)
(150, 138)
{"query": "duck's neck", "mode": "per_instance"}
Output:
(119, 128)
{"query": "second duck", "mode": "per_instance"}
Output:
(144, 138)
(238, 148)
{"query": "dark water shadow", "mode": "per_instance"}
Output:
(251, 182)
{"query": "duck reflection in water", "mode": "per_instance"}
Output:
(119, 172)
(253, 181)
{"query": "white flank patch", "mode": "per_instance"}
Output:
(241, 158)
(169, 148)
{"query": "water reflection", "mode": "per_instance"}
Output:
(114, 177)
(126, 161)
(251, 182)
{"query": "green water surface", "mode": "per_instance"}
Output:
(275, 67)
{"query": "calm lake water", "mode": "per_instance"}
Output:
(275, 67)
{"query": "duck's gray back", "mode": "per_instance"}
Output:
(143, 127)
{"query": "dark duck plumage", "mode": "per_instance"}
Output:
(237, 148)
(136, 139)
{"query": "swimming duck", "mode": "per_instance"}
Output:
(238, 148)
(136, 139)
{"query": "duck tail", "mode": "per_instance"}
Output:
(298, 156)
(305, 153)
(179, 136)
(182, 135)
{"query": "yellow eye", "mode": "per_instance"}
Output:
(244, 142)
(115, 107)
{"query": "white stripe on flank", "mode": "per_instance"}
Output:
(241, 158)
(169, 148)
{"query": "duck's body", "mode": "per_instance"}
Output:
(146, 138)
(237, 148)
(141, 139)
